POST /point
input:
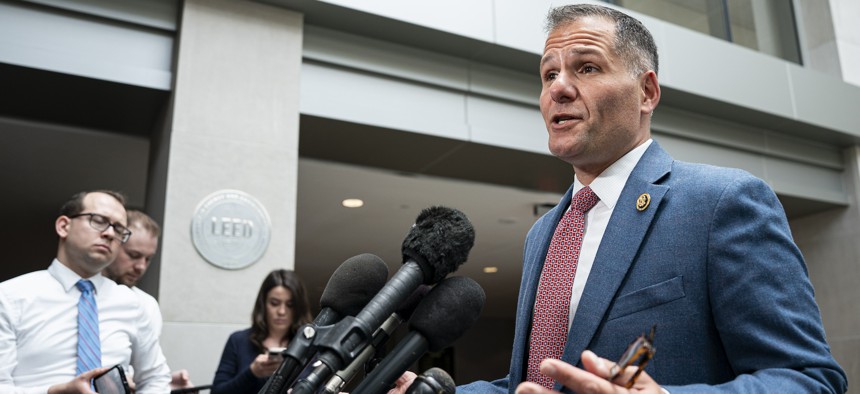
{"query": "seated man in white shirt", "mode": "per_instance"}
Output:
(39, 311)
(131, 263)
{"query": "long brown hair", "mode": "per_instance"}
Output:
(301, 308)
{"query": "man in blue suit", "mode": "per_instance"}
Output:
(704, 253)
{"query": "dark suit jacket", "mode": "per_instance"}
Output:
(233, 375)
(712, 263)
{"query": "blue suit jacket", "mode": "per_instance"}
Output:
(712, 263)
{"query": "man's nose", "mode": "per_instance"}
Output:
(562, 89)
(111, 233)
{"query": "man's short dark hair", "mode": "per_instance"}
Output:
(633, 42)
(75, 205)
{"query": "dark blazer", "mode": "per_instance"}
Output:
(712, 263)
(233, 375)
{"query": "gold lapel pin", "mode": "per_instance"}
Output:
(643, 201)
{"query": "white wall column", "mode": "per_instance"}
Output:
(233, 125)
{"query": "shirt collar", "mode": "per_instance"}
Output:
(69, 278)
(611, 181)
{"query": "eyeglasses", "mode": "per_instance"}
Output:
(101, 223)
(639, 352)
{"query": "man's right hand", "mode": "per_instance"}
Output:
(79, 385)
(593, 379)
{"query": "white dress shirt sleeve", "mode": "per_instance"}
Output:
(9, 315)
(151, 373)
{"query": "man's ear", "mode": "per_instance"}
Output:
(650, 91)
(61, 225)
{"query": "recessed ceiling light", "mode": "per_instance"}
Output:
(353, 203)
(491, 270)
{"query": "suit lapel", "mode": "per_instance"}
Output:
(619, 246)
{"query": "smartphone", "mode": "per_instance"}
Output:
(112, 382)
(275, 353)
(195, 389)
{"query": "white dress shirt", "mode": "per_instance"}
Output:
(153, 311)
(38, 332)
(607, 186)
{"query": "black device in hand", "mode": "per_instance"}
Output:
(190, 390)
(276, 353)
(112, 382)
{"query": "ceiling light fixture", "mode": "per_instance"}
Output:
(491, 270)
(353, 203)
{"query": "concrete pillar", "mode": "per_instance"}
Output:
(233, 125)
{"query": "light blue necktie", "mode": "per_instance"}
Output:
(89, 345)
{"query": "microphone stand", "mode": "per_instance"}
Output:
(341, 343)
(295, 357)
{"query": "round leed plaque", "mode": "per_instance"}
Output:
(230, 229)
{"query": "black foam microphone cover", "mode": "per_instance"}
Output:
(439, 242)
(433, 381)
(354, 283)
(407, 307)
(451, 308)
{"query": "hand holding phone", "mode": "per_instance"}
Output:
(112, 382)
(275, 353)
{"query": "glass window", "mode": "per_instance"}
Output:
(766, 26)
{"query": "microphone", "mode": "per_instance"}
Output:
(349, 288)
(432, 381)
(437, 244)
(450, 309)
(342, 377)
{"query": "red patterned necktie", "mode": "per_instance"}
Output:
(552, 302)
